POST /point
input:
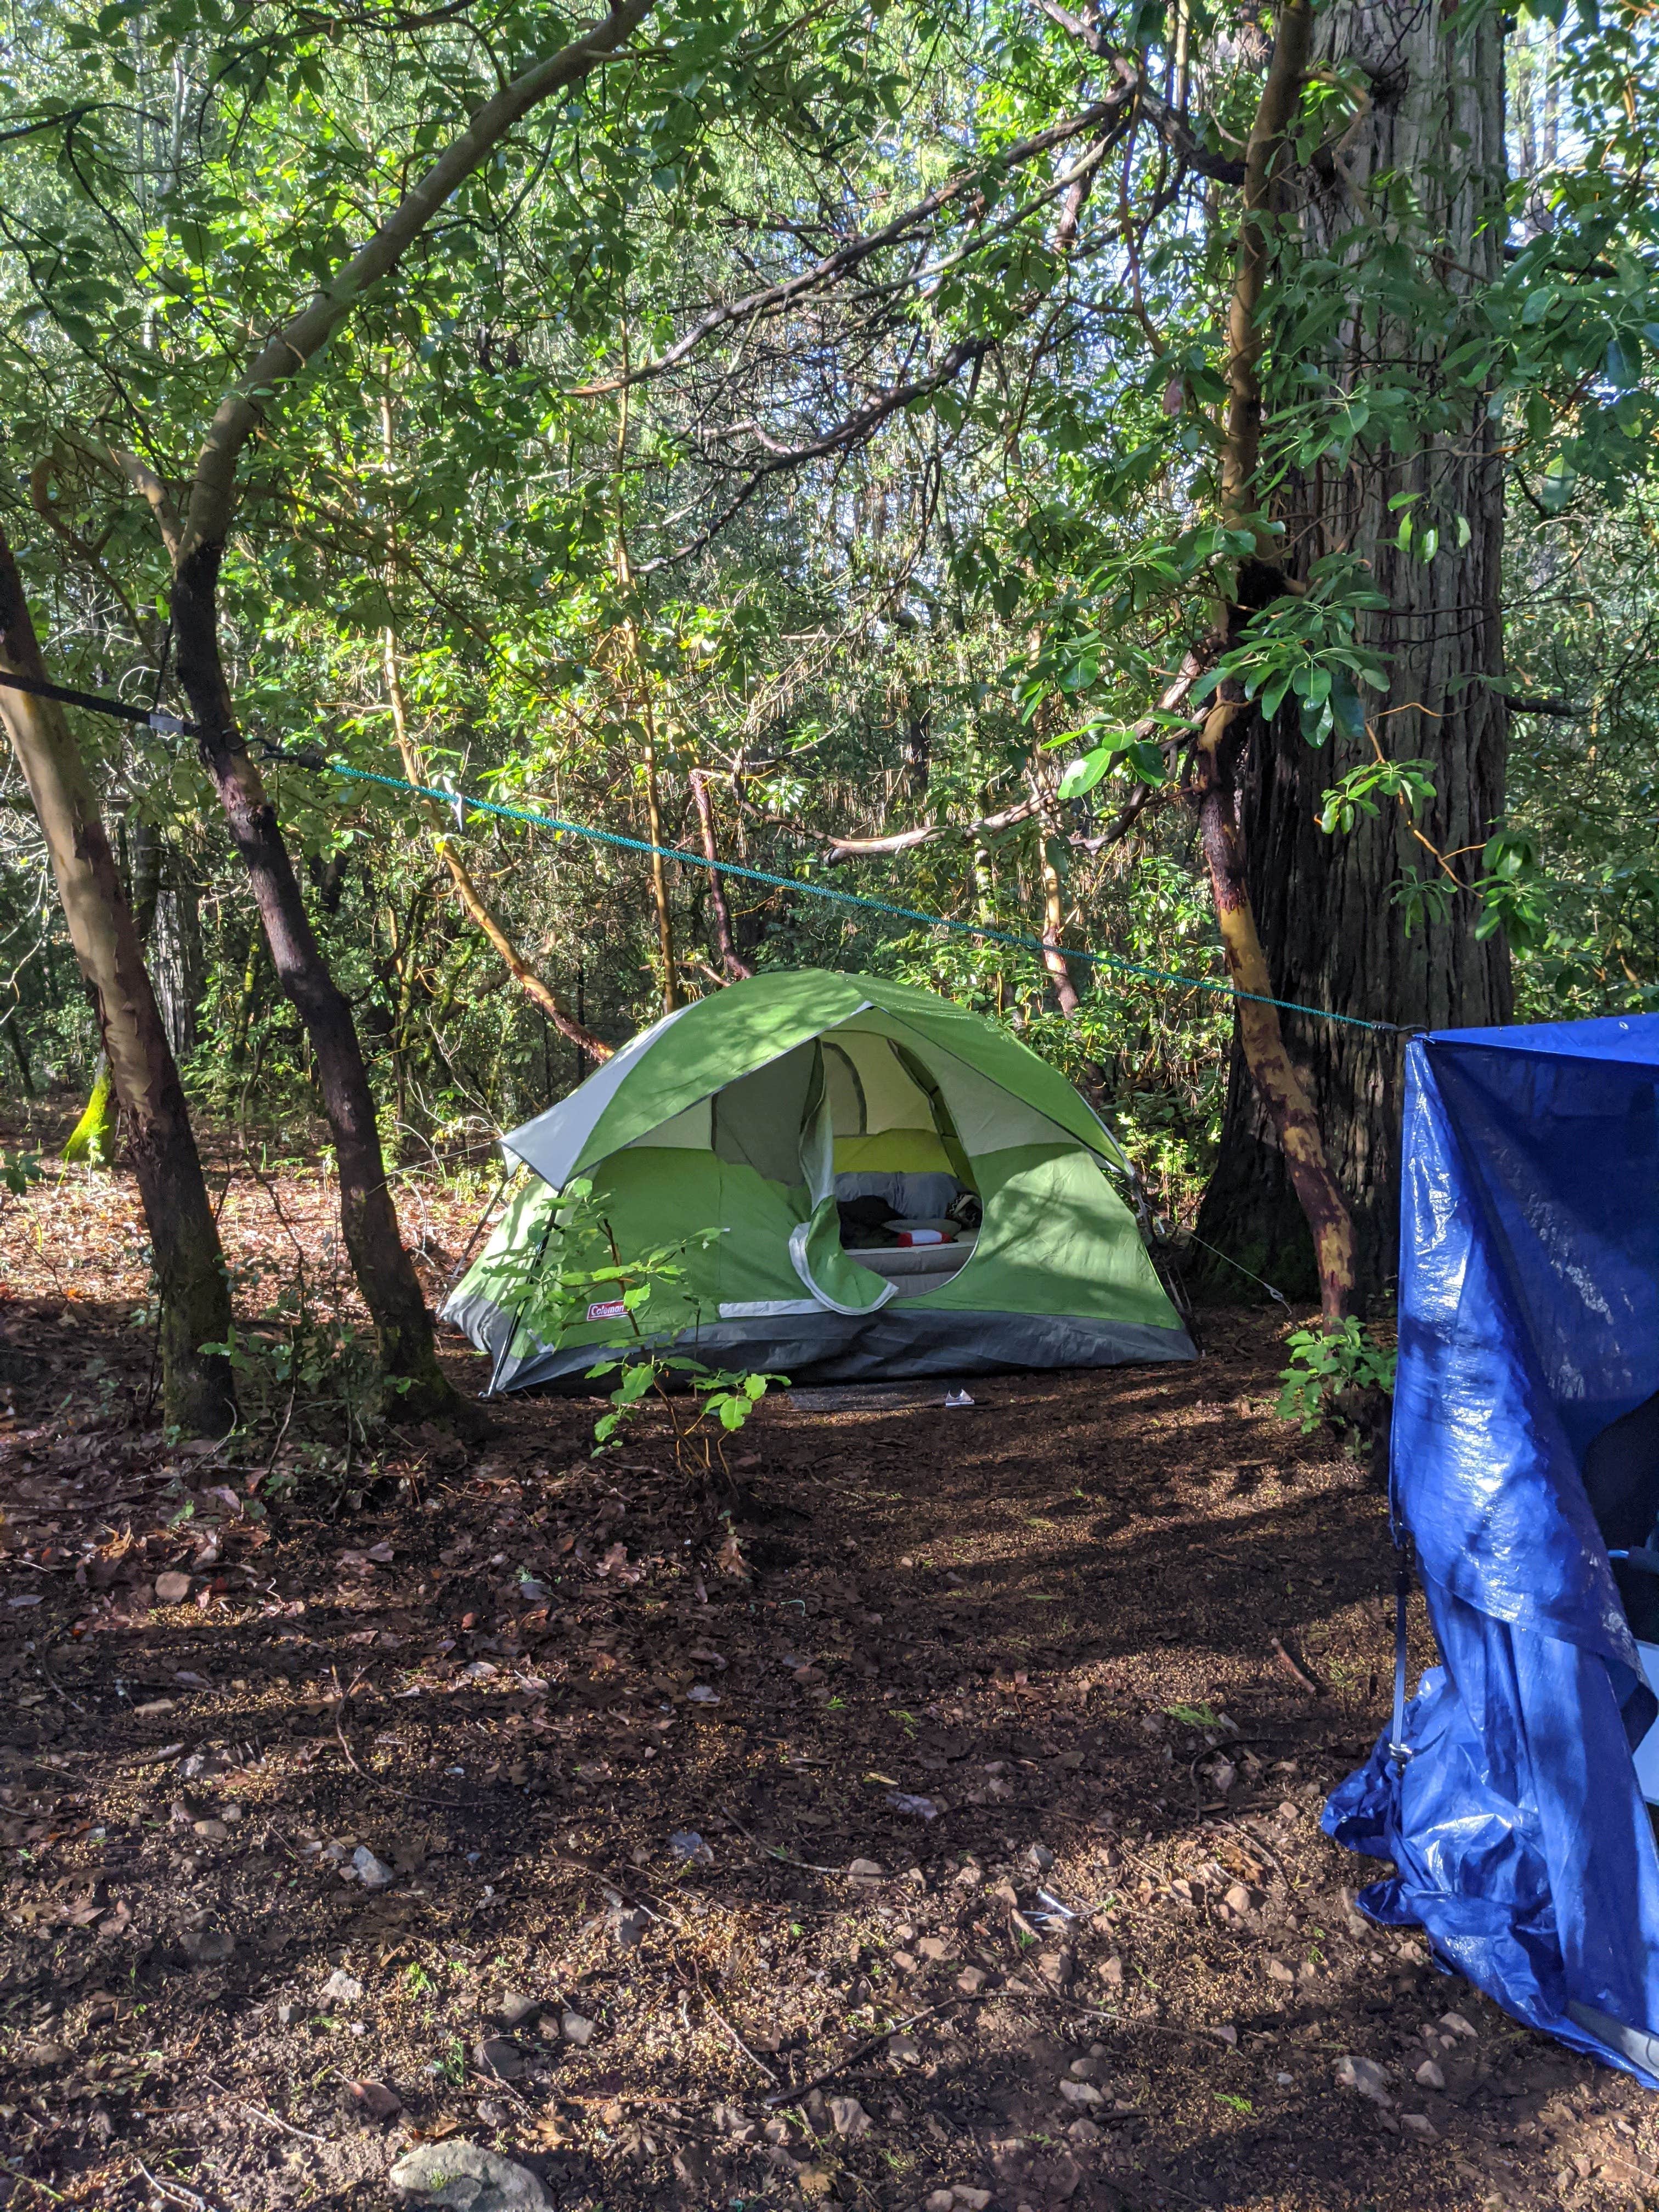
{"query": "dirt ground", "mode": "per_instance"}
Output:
(936, 1823)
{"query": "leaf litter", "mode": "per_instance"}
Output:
(503, 1798)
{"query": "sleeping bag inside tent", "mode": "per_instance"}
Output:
(857, 1179)
(1525, 1473)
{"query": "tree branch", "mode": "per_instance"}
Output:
(297, 344)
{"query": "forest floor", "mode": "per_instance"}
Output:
(967, 1765)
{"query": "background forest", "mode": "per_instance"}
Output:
(848, 440)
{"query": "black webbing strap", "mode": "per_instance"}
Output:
(152, 718)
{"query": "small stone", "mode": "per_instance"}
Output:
(970, 2200)
(864, 1870)
(1056, 1968)
(934, 1948)
(686, 1843)
(1111, 1970)
(902, 2048)
(1227, 2033)
(372, 1873)
(1428, 2076)
(172, 1588)
(1366, 2076)
(1040, 1857)
(498, 2057)
(1085, 2134)
(212, 1832)
(1418, 2123)
(1085, 2069)
(374, 2102)
(849, 2118)
(940, 2200)
(575, 2029)
(1081, 2092)
(207, 1947)
(1242, 1900)
(970, 1981)
(815, 2182)
(905, 1961)
(470, 2177)
(1455, 2024)
(1005, 1892)
(515, 2008)
(628, 1927)
(341, 1988)
(1279, 1971)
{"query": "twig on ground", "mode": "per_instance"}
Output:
(271, 2119)
(731, 2032)
(772, 1851)
(175, 2189)
(862, 2051)
(342, 1698)
(1294, 1666)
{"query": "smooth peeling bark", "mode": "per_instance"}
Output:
(368, 1219)
(194, 1291)
(1334, 928)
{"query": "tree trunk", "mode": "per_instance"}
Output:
(737, 968)
(176, 958)
(385, 1273)
(1332, 931)
(466, 891)
(194, 1290)
(92, 1137)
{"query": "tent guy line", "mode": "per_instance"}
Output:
(462, 803)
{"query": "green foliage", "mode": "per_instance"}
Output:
(19, 1171)
(1329, 1371)
(554, 1285)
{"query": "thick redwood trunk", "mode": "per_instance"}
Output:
(1333, 930)
(190, 1270)
(368, 1219)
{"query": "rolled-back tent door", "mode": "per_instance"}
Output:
(833, 1278)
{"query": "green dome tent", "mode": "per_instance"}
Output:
(835, 1131)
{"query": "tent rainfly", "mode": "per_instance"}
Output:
(1510, 1792)
(899, 1187)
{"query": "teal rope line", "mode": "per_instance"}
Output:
(458, 801)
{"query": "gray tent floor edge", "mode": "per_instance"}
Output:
(831, 1347)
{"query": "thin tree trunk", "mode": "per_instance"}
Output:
(1054, 910)
(671, 981)
(1333, 930)
(1282, 1095)
(385, 1273)
(735, 967)
(466, 891)
(194, 1290)
(196, 545)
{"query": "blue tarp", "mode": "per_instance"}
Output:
(1529, 1324)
